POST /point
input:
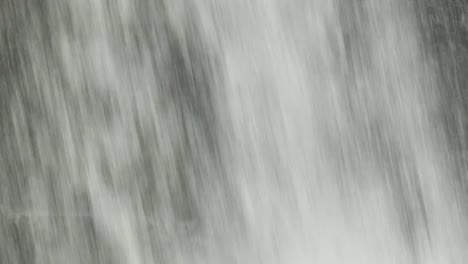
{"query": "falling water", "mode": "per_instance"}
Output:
(222, 131)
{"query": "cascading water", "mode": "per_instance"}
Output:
(222, 131)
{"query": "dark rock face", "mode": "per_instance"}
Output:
(446, 37)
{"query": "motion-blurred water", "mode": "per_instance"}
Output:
(232, 131)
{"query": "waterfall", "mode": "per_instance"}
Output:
(221, 131)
